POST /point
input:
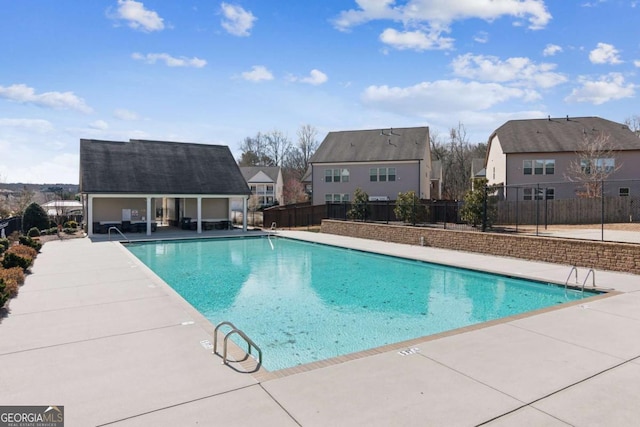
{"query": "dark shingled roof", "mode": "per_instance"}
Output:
(373, 145)
(250, 171)
(561, 134)
(158, 167)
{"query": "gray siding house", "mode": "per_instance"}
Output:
(532, 157)
(143, 184)
(382, 163)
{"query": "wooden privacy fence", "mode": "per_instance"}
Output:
(568, 211)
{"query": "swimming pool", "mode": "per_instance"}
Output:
(303, 302)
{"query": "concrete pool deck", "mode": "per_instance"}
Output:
(95, 331)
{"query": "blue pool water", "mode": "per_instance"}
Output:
(303, 302)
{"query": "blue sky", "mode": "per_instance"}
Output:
(217, 72)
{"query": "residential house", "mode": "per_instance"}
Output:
(139, 185)
(532, 158)
(266, 183)
(381, 162)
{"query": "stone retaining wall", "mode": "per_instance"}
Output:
(624, 257)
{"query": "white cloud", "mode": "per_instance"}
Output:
(551, 50)
(608, 88)
(61, 168)
(57, 100)
(416, 40)
(237, 21)
(258, 73)
(637, 63)
(316, 77)
(442, 95)
(99, 125)
(434, 17)
(605, 54)
(126, 115)
(170, 61)
(481, 37)
(138, 17)
(520, 71)
(36, 125)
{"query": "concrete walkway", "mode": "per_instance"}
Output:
(95, 331)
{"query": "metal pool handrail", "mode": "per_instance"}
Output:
(119, 232)
(591, 272)
(233, 330)
(574, 269)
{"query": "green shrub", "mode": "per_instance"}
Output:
(34, 216)
(409, 209)
(71, 224)
(4, 244)
(33, 232)
(360, 206)
(13, 278)
(28, 241)
(11, 260)
(4, 294)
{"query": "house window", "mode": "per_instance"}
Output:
(538, 193)
(382, 174)
(391, 174)
(623, 191)
(539, 167)
(590, 166)
(336, 197)
(336, 175)
(550, 193)
(549, 167)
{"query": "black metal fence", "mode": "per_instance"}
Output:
(535, 208)
(567, 203)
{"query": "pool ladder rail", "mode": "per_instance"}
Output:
(591, 273)
(234, 330)
(271, 231)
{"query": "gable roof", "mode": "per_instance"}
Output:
(374, 145)
(158, 167)
(249, 172)
(561, 134)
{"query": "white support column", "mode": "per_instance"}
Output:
(244, 214)
(149, 216)
(90, 215)
(199, 214)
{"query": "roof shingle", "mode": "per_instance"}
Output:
(158, 167)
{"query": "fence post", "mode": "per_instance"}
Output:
(484, 208)
(602, 209)
(537, 199)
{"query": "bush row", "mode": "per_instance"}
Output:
(16, 259)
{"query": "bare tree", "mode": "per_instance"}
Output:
(297, 161)
(24, 199)
(595, 161)
(277, 147)
(633, 123)
(255, 152)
